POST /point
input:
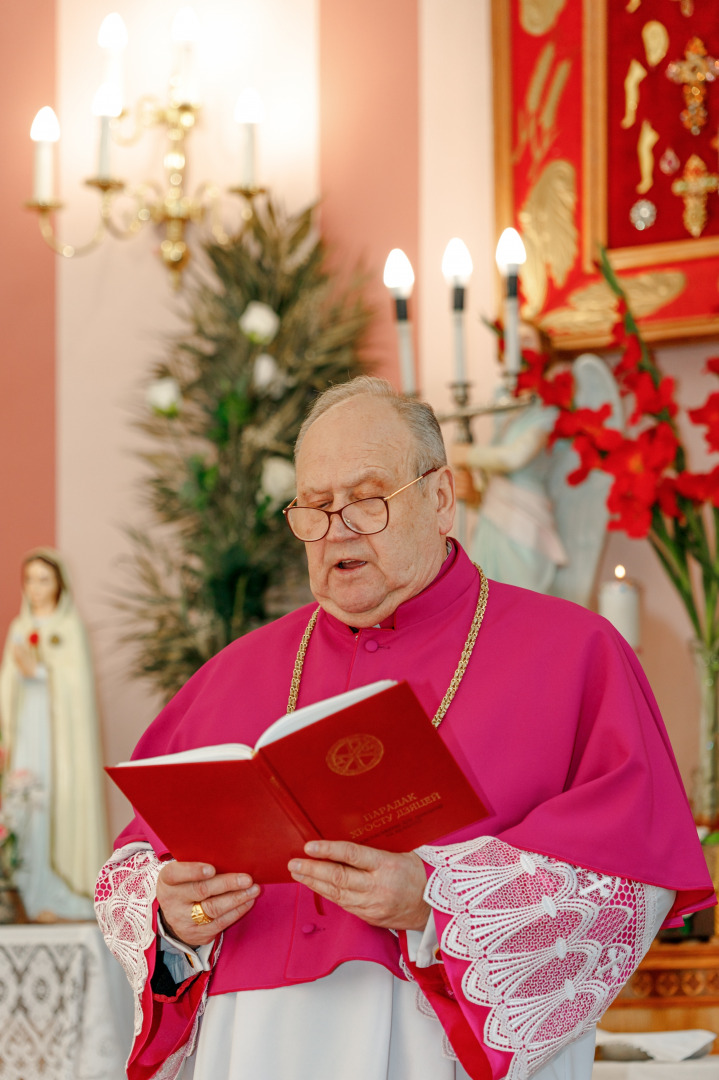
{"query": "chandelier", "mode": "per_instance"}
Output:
(168, 205)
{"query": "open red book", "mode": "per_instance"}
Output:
(366, 766)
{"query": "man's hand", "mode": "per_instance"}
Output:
(383, 888)
(225, 898)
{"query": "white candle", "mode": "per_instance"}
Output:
(112, 39)
(249, 112)
(247, 155)
(510, 255)
(185, 32)
(45, 132)
(106, 104)
(619, 603)
(406, 357)
(457, 270)
(399, 279)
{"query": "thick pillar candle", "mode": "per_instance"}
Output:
(619, 603)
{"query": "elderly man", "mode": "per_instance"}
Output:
(487, 956)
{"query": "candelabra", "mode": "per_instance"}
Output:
(168, 206)
(457, 270)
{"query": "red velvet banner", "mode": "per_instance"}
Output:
(607, 113)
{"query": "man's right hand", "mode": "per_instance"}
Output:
(225, 898)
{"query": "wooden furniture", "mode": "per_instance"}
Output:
(675, 987)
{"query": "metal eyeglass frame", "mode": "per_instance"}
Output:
(330, 513)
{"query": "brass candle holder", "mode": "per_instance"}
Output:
(170, 206)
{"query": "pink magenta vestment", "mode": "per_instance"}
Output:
(553, 722)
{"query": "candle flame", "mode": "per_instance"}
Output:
(620, 572)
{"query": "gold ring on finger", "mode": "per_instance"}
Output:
(198, 915)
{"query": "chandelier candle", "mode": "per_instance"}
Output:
(112, 39)
(249, 112)
(45, 132)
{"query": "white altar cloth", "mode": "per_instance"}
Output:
(65, 1005)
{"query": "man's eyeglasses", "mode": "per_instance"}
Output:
(365, 516)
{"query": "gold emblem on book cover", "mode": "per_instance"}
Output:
(355, 754)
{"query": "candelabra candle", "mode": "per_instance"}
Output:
(459, 344)
(510, 256)
(619, 602)
(511, 323)
(406, 350)
(457, 270)
(399, 279)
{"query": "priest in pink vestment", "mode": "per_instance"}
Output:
(488, 956)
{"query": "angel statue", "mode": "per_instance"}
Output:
(533, 528)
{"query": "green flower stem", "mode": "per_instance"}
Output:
(673, 558)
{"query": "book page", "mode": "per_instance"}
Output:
(310, 714)
(220, 752)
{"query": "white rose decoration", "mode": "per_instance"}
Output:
(259, 322)
(278, 481)
(264, 372)
(164, 396)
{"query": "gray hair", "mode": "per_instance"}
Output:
(417, 415)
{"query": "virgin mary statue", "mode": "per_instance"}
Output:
(53, 774)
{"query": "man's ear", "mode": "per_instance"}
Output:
(446, 500)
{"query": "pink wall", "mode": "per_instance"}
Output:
(369, 146)
(27, 303)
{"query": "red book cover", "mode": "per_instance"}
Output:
(376, 772)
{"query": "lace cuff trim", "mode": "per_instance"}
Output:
(546, 946)
(124, 899)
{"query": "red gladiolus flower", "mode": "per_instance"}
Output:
(588, 459)
(651, 400)
(713, 365)
(619, 329)
(652, 452)
(631, 498)
(532, 373)
(693, 486)
(589, 422)
(708, 414)
(713, 487)
(34, 638)
(631, 358)
(558, 391)
(700, 487)
(667, 497)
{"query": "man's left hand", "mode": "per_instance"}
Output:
(383, 888)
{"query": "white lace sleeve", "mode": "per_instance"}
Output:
(124, 897)
(543, 946)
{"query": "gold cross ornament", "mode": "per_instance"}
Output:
(694, 187)
(693, 74)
